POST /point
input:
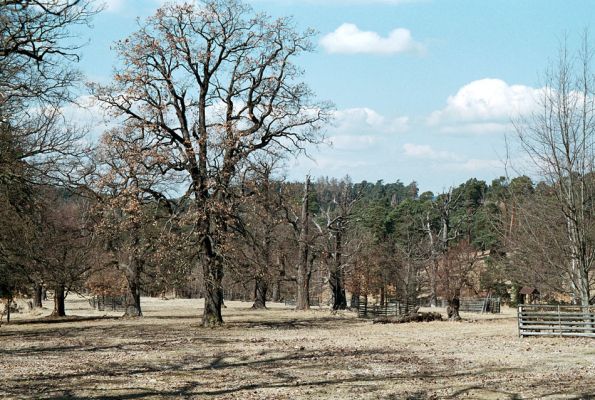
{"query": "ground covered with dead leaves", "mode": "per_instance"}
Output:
(283, 354)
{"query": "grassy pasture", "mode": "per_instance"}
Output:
(283, 354)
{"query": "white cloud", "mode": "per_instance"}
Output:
(427, 152)
(357, 129)
(365, 121)
(349, 39)
(485, 105)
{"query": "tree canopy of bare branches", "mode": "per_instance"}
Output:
(214, 84)
(559, 138)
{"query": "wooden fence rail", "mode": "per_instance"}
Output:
(390, 309)
(108, 303)
(314, 302)
(552, 320)
(474, 305)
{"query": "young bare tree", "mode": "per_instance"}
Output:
(131, 205)
(215, 84)
(456, 271)
(64, 245)
(256, 246)
(38, 146)
(559, 138)
(338, 199)
(438, 225)
(305, 256)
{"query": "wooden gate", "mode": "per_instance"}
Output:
(551, 320)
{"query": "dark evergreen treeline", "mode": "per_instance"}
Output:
(381, 240)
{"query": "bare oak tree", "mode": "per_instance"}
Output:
(37, 52)
(559, 138)
(215, 84)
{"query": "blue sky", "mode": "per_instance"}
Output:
(424, 90)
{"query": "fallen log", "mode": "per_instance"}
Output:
(413, 317)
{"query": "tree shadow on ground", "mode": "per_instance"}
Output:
(198, 362)
(277, 371)
(60, 320)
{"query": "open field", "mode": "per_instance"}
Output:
(283, 354)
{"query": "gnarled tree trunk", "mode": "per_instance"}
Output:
(133, 276)
(453, 309)
(59, 298)
(260, 292)
(213, 277)
(336, 280)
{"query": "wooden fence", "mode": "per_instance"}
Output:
(314, 302)
(486, 305)
(109, 303)
(391, 308)
(474, 305)
(548, 320)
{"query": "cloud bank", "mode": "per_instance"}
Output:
(485, 106)
(349, 39)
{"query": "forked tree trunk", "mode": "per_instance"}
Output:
(59, 297)
(37, 295)
(133, 275)
(260, 292)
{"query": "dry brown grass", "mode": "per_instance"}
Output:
(283, 354)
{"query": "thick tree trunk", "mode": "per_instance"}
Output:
(453, 309)
(213, 277)
(304, 272)
(59, 297)
(133, 275)
(260, 292)
(37, 295)
(338, 289)
(303, 290)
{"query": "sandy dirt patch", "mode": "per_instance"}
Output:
(283, 354)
